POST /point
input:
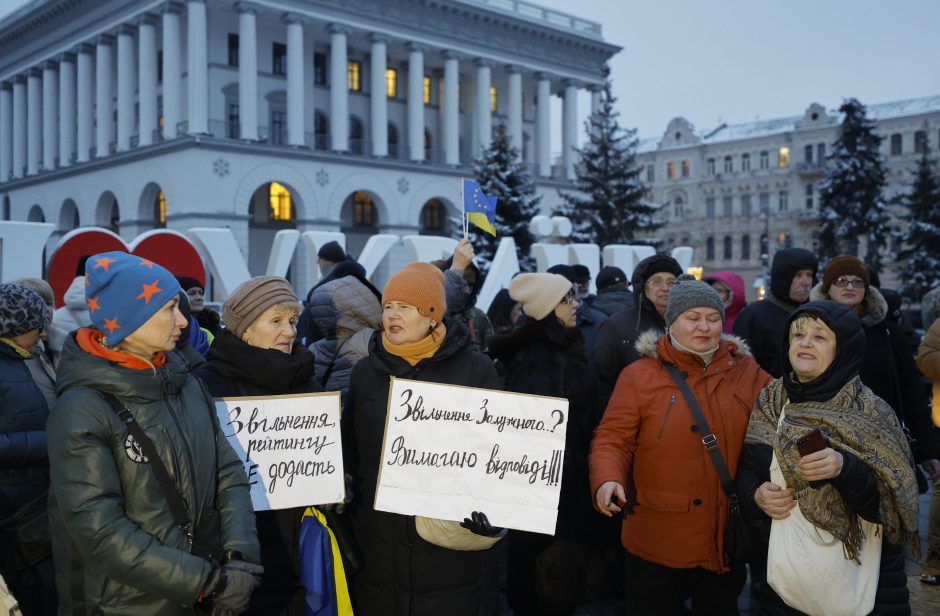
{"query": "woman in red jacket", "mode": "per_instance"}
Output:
(649, 446)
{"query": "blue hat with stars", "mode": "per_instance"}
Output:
(123, 291)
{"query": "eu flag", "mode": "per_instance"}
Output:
(480, 209)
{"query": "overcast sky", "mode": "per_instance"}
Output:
(734, 60)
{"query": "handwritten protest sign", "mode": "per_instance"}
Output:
(290, 445)
(450, 450)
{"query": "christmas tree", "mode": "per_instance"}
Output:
(919, 259)
(850, 196)
(609, 207)
(501, 173)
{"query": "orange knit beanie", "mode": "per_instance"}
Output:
(421, 285)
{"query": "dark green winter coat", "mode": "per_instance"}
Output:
(115, 543)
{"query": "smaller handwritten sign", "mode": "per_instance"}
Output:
(290, 445)
(451, 450)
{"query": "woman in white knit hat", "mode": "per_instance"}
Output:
(545, 356)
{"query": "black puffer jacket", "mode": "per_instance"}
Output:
(761, 324)
(24, 462)
(403, 574)
(857, 487)
(617, 336)
(235, 368)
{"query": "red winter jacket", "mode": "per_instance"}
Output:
(649, 443)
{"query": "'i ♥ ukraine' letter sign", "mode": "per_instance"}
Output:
(450, 450)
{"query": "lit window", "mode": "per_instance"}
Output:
(363, 210)
(686, 168)
(494, 99)
(160, 207)
(426, 94)
(354, 75)
(280, 202)
(783, 157)
(671, 170)
(391, 83)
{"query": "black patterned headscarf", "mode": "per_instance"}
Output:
(21, 310)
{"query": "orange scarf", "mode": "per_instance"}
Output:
(89, 340)
(413, 352)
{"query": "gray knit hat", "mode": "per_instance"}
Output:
(539, 293)
(21, 310)
(690, 293)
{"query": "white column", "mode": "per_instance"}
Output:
(543, 127)
(378, 98)
(19, 126)
(171, 71)
(197, 67)
(339, 91)
(451, 110)
(247, 73)
(595, 99)
(126, 80)
(34, 121)
(484, 115)
(6, 131)
(50, 108)
(295, 81)
(147, 76)
(67, 113)
(84, 93)
(569, 130)
(416, 102)
(104, 97)
(514, 107)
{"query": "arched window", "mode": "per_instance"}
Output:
(159, 210)
(678, 206)
(280, 203)
(363, 210)
(710, 249)
(36, 214)
(355, 135)
(321, 130)
(432, 217)
(392, 140)
(746, 247)
(727, 251)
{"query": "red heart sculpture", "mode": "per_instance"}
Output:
(168, 248)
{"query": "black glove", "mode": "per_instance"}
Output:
(478, 524)
(347, 498)
(229, 587)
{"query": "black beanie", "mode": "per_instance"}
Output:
(332, 252)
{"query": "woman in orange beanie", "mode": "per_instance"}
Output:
(403, 572)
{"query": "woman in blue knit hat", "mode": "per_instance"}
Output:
(150, 508)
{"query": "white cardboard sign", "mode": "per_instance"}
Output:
(290, 445)
(451, 450)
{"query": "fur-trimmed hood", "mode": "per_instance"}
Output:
(874, 306)
(647, 343)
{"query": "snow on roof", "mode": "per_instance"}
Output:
(761, 128)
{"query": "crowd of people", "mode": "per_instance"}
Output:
(709, 440)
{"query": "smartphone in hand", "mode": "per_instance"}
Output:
(811, 442)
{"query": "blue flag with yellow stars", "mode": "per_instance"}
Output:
(480, 209)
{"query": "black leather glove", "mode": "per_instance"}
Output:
(478, 524)
(229, 587)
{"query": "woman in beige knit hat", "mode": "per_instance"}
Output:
(546, 356)
(415, 565)
(255, 356)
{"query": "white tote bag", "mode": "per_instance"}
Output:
(806, 566)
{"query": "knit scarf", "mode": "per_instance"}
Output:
(858, 422)
(413, 352)
(19, 350)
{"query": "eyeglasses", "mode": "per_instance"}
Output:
(570, 298)
(659, 284)
(842, 282)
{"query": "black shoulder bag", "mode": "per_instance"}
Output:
(206, 539)
(735, 532)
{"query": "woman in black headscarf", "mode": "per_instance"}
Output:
(862, 472)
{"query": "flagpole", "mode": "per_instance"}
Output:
(463, 205)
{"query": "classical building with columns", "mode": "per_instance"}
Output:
(260, 115)
(735, 192)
